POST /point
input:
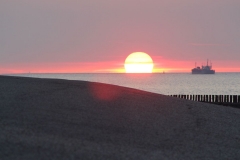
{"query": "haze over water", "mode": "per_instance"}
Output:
(170, 83)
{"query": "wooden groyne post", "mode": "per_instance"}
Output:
(228, 100)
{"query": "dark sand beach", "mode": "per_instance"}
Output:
(61, 119)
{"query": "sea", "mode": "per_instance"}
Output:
(167, 84)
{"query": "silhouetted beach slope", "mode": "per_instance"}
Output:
(60, 119)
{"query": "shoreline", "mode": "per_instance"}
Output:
(62, 119)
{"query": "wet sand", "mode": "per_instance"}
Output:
(61, 119)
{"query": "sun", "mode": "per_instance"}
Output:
(138, 62)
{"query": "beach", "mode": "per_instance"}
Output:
(67, 119)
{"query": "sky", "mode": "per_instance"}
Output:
(69, 36)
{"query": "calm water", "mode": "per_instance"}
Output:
(184, 83)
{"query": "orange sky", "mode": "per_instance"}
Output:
(160, 65)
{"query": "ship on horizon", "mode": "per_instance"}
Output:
(204, 70)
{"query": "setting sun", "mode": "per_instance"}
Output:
(138, 62)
